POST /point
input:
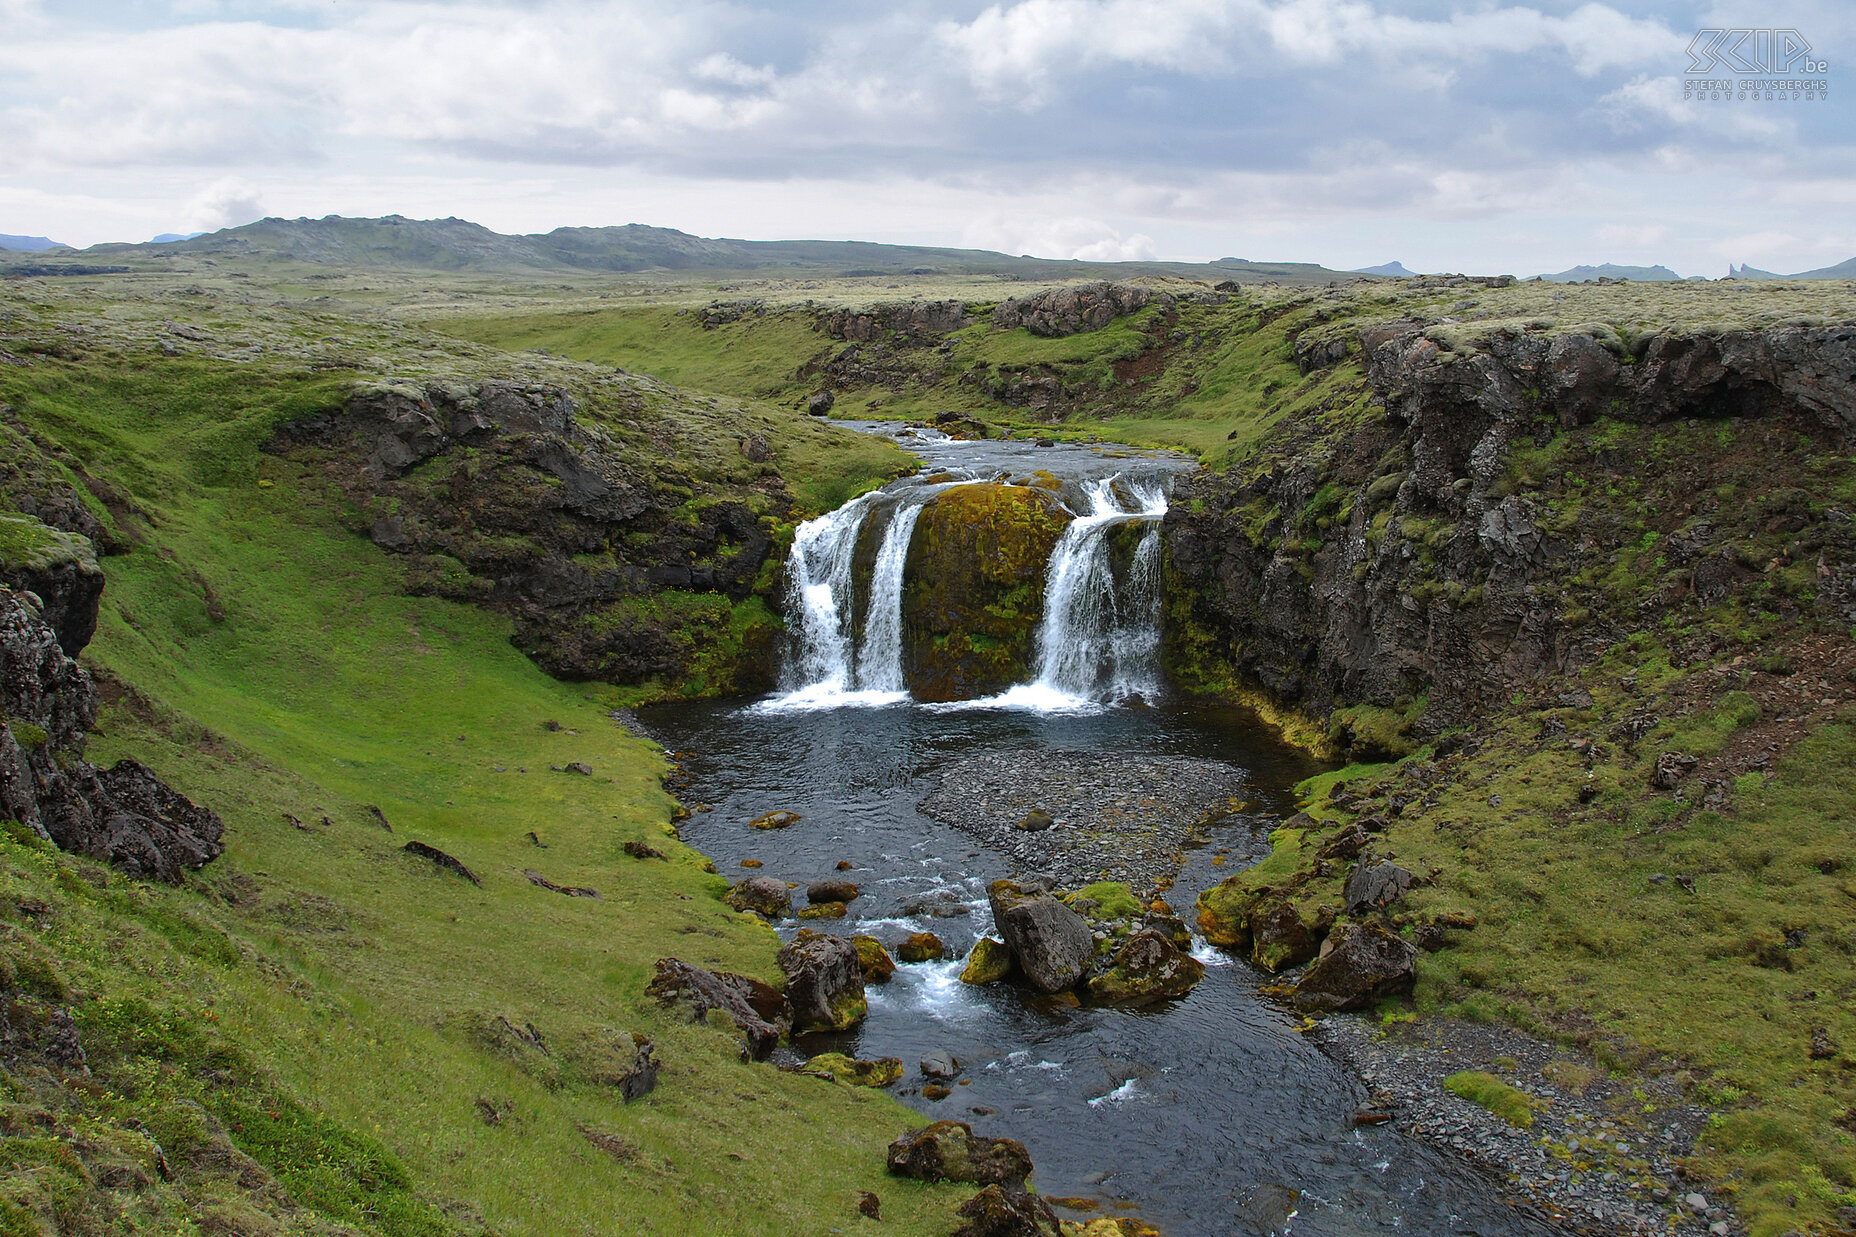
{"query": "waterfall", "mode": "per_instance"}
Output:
(1099, 637)
(879, 660)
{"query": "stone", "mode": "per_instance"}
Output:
(819, 403)
(824, 982)
(573, 891)
(998, 1212)
(776, 820)
(882, 1072)
(1224, 912)
(580, 767)
(1279, 939)
(935, 1091)
(1697, 1203)
(973, 593)
(441, 859)
(989, 962)
(922, 947)
(1365, 963)
(824, 910)
(869, 1205)
(759, 1010)
(1347, 844)
(831, 891)
(1050, 943)
(762, 895)
(937, 904)
(1148, 968)
(755, 449)
(1035, 821)
(1375, 885)
(873, 959)
(940, 1064)
(640, 850)
(1671, 768)
(951, 1151)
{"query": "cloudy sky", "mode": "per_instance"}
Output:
(1475, 135)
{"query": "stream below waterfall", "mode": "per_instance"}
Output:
(1208, 1115)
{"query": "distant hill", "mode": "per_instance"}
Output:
(167, 237)
(29, 244)
(459, 245)
(1842, 270)
(1640, 274)
(1393, 270)
(1750, 272)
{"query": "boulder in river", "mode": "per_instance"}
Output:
(922, 947)
(758, 1010)
(1365, 963)
(951, 1151)
(832, 890)
(998, 1212)
(1279, 939)
(775, 820)
(761, 894)
(1051, 943)
(1148, 968)
(882, 1072)
(873, 959)
(988, 963)
(824, 982)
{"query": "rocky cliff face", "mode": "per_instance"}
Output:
(500, 495)
(123, 815)
(973, 592)
(1513, 510)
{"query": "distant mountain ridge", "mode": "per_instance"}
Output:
(1393, 270)
(30, 244)
(460, 245)
(1610, 270)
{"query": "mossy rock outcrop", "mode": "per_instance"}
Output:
(974, 590)
(882, 1072)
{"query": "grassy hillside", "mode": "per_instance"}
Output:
(345, 1014)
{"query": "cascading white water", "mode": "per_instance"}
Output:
(1098, 641)
(879, 658)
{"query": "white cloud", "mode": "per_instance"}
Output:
(226, 203)
(1067, 237)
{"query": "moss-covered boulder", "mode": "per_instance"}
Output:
(824, 982)
(1148, 968)
(990, 962)
(60, 569)
(1279, 937)
(882, 1072)
(923, 947)
(1224, 912)
(974, 588)
(873, 959)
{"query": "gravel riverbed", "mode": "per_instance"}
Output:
(1113, 817)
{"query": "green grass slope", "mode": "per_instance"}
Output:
(318, 1032)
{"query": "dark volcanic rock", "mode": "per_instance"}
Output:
(758, 1010)
(1431, 576)
(1071, 311)
(973, 589)
(997, 1212)
(824, 982)
(1148, 968)
(1051, 943)
(124, 814)
(497, 494)
(761, 894)
(441, 859)
(1375, 885)
(1366, 963)
(951, 1151)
